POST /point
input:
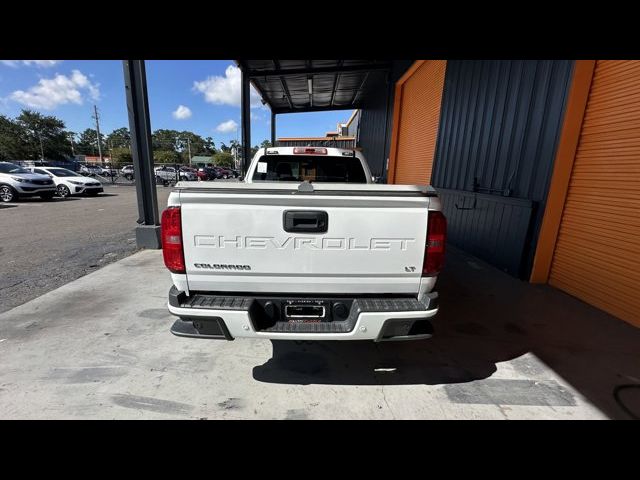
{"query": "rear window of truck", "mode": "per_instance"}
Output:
(298, 168)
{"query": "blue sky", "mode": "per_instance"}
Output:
(202, 96)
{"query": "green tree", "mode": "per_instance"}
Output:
(41, 135)
(121, 156)
(223, 159)
(197, 145)
(11, 140)
(88, 143)
(209, 145)
(265, 144)
(166, 156)
(166, 140)
(119, 138)
(225, 148)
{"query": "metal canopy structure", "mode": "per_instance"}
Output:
(290, 86)
(295, 86)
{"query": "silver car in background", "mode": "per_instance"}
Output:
(16, 182)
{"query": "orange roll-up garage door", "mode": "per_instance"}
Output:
(597, 253)
(416, 120)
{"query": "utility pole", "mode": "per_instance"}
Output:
(97, 119)
(41, 148)
(188, 146)
(73, 153)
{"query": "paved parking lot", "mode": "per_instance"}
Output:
(44, 245)
(100, 347)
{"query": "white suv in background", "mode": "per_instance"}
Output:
(16, 182)
(70, 183)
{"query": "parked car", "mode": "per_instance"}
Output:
(202, 175)
(226, 172)
(70, 183)
(16, 182)
(90, 169)
(218, 172)
(108, 171)
(307, 247)
(188, 174)
(169, 174)
(207, 173)
(127, 172)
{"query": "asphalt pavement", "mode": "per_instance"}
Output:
(44, 245)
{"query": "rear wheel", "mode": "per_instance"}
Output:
(7, 194)
(63, 191)
(47, 196)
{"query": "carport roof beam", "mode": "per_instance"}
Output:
(336, 84)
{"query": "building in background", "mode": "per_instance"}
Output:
(201, 160)
(345, 136)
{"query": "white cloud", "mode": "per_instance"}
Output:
(28, 63)
(227, 127)
(59, 90)
(225, 90)
(182, 113)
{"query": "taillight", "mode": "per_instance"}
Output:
(436, 240)
(171, 228)
(309, 151)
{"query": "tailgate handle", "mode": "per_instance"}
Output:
(308, 221)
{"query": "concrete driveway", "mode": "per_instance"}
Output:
(100, 347)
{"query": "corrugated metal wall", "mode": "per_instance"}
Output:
(499, 129)
(489, 227)
(376, 119)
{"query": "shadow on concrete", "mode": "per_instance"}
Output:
(485, 317)
(7, 205)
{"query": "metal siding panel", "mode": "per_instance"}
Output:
(495, 230)
(500, 122)
(480, 100)
(598, 246)
(446, 114)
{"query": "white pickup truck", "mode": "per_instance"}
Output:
(305, 247)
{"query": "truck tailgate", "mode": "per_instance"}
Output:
(235, 240)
